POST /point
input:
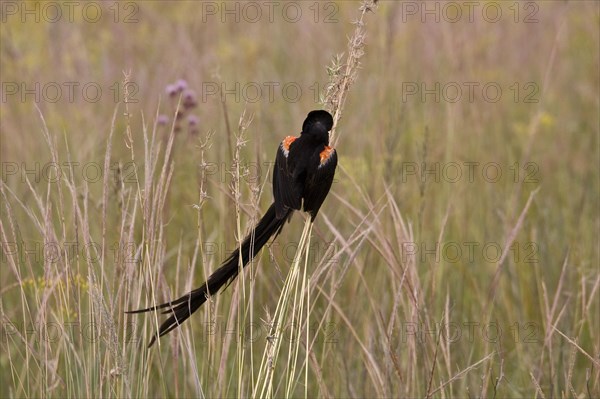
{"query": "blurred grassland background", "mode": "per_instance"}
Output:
(384, 307)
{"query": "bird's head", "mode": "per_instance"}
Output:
(317, 124)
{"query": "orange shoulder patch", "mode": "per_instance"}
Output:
(287, 142)
(325, 154)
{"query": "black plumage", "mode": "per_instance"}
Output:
(302, 177)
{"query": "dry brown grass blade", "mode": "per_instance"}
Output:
(508, 242)
(579, 348)
(461, 373)
(372, 368)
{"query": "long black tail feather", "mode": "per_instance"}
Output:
(182, 308)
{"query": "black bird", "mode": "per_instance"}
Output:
(302, 176)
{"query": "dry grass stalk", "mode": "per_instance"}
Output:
(342, 74)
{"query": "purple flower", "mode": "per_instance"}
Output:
(189, 99)
(162, 120)
(193, 120)
(181, 85)
(171, 90)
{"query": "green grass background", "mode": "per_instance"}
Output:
(371, 293)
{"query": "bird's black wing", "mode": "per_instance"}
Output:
(319, 183)
(285, 190)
